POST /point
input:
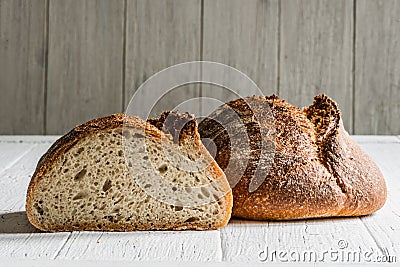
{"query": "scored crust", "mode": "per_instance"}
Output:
(114, 121)
(317, 169)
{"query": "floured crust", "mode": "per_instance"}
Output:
(102, 124)
(358, 177)
(317, 170)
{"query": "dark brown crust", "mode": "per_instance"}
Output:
(180, 126)
(317, 171)
(356, 173)
(70, 139)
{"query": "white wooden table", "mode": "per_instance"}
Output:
(360, 239)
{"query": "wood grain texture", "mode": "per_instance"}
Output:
(15, 179)
(85, 62)
(241, 241)
(11, 153)
(384, 225)
(377, 83)
(245, 241)
(243, 36)
(316, 52)
(144, 246)
(160, 34)
(22, 66)
(18, 238)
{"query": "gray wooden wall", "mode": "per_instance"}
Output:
(64, 62)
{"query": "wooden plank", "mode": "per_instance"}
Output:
(242, 241)
(30, 245)
(384, 228)
(160, 34)
(377, 69)
(11, 153)
(14, 180)
(243, 36)
(85, 62)
(299, 237)
(144, 246)
(126, 263)
(22, 67)
(19, 239)
(316, 52)
(384, 225)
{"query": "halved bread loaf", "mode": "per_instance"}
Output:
(313, 167)
(120, 173)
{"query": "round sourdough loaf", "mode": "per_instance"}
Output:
(316, 169)
(92, 179)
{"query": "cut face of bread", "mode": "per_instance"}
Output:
(120, 173)
(315, 169)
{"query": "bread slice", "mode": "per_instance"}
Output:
(120, 173)
(316, 169)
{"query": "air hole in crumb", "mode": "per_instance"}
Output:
(39, 209)
(147, 186)
(107, 185)
(192, 219)
(80, 195)
(205, 192)
(126, 134)
(138, 135)
(120, 153)
(163, 168)
(146, 157)
(80, 175)
(178, 208)
(116, 210)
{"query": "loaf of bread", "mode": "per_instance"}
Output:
(120, 173)
(312, 166)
